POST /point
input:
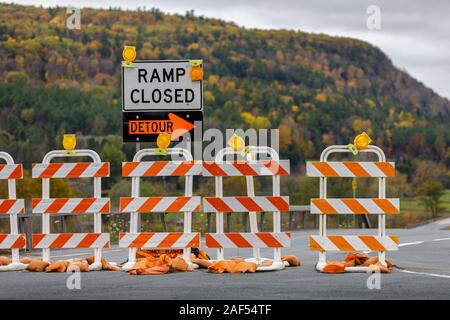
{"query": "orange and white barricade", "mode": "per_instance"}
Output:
(136, 204)
(250, 203)
(12, 207)
(380, 206)
(48, 206)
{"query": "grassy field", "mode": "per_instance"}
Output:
(414, 213)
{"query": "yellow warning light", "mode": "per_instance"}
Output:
(129, 53)
(354, 185)
(237, 143)
(362, 141)
(69, 142)
(162, 142)
(196, 70)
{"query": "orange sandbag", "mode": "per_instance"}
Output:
(4, 261)
(350, 256)
(232, 266)
(179, 264)
(162, 269)
(377, 268)
(350, 263)
(37, 265)
(78, 266)
(90, 260)
(355, 259)
(243, 267)
(389, 264)
(109, 267)
(139, 264)
(105, 264)
(202, 255)
(165, 259)
(361, 258)
(374, 260)
(58, 266)
(154, 262)
(26, 260)
(292, 260)
(334, 267)
(219, 266)
(151, 261)
(202, 263)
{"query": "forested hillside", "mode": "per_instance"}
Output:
(318, 90)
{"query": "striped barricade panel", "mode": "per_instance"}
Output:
(355, 206)
(350, 169)
(12, 206)
(70, 170)
(161, 240)
(248, 240)
(245, 168)
(160, 204)
(354, 243)
(246, 204)
(12, 241)
(161, 168)
(11, 171)
(70, 240)
(71, 205)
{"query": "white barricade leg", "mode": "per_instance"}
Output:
(132, 251)
(14, 230)
(219, 216)
(252, 215)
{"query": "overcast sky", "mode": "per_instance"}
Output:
(414, 33)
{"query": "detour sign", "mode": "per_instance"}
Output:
(175, 126)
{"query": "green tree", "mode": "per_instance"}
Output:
(431, 192)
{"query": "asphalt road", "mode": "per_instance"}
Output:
(424, 259)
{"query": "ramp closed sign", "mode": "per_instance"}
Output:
(159, 86)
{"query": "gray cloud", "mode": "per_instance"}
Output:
(414, 33)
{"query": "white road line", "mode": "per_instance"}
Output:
(410, 243)
(441, 239)
(425, 274)
(420, 242)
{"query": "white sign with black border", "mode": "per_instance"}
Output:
(160, 85)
